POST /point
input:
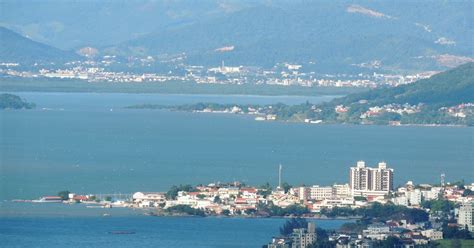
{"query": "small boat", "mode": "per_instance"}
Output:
(49, 199)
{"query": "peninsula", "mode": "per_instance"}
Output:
(10, 101)
(446, 98)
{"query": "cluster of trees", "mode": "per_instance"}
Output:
(445, 89)
(292, 210)
(380, 212)
(449, 88)
(64, 195)
(10, 101)
(453, 232)
(291, 224)
(172, 193)
(185, 209)
(439, 206)
(322, 235)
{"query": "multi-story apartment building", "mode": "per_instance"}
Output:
(317, 192)
(303, 237)
(336, 191)
(465, 220)
(367, 181)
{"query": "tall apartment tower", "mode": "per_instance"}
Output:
(360, 177)
(466, 216)
(365, 181)
(382, 178)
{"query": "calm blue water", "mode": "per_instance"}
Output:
(84, 147)
(87, 143)
(149, 232)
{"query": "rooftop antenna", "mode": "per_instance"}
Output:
(279, 177)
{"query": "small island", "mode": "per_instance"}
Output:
(10, 101)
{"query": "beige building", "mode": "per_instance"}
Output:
(303, 237)
(466, 211)
(367, 181)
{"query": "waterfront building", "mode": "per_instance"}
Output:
(465, 220)
(148, 199)
(331, 203)
(366, 181)
(336, 191)
(320, 193)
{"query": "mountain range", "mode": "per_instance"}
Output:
(325, 36)
(322, 35)
(17, 48)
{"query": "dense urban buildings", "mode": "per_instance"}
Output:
(299, 238)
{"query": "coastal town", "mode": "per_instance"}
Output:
(391, 114)
(414, 214)
(154, 70)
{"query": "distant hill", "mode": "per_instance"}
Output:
(9, 101)
(445, 98)
(323, 35)
(451, 87)
(16, 48)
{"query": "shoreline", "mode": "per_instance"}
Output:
(299, 122)
(171, 94)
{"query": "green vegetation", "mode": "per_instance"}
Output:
(467, 192)
(64, 195)
(265, 190)
(453, 232)
(390, 242)
(292, 210)
(226, 212)
(294, 223)
(380, 212)
(9, 101)
(286, 187)
(355, 227)
(445, 89)
(291, 224)
(423, 102)
(173, 191)
(76, 85)
(185, 209)
(439, 206)
(360, 198)
(458, 243)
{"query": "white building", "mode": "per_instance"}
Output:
(320, 193)
(366, 181)
(148, 199)
(432, 234)
(401, 200)
(466, 211)
(415, 197)
(431, 194)
(377, 231)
